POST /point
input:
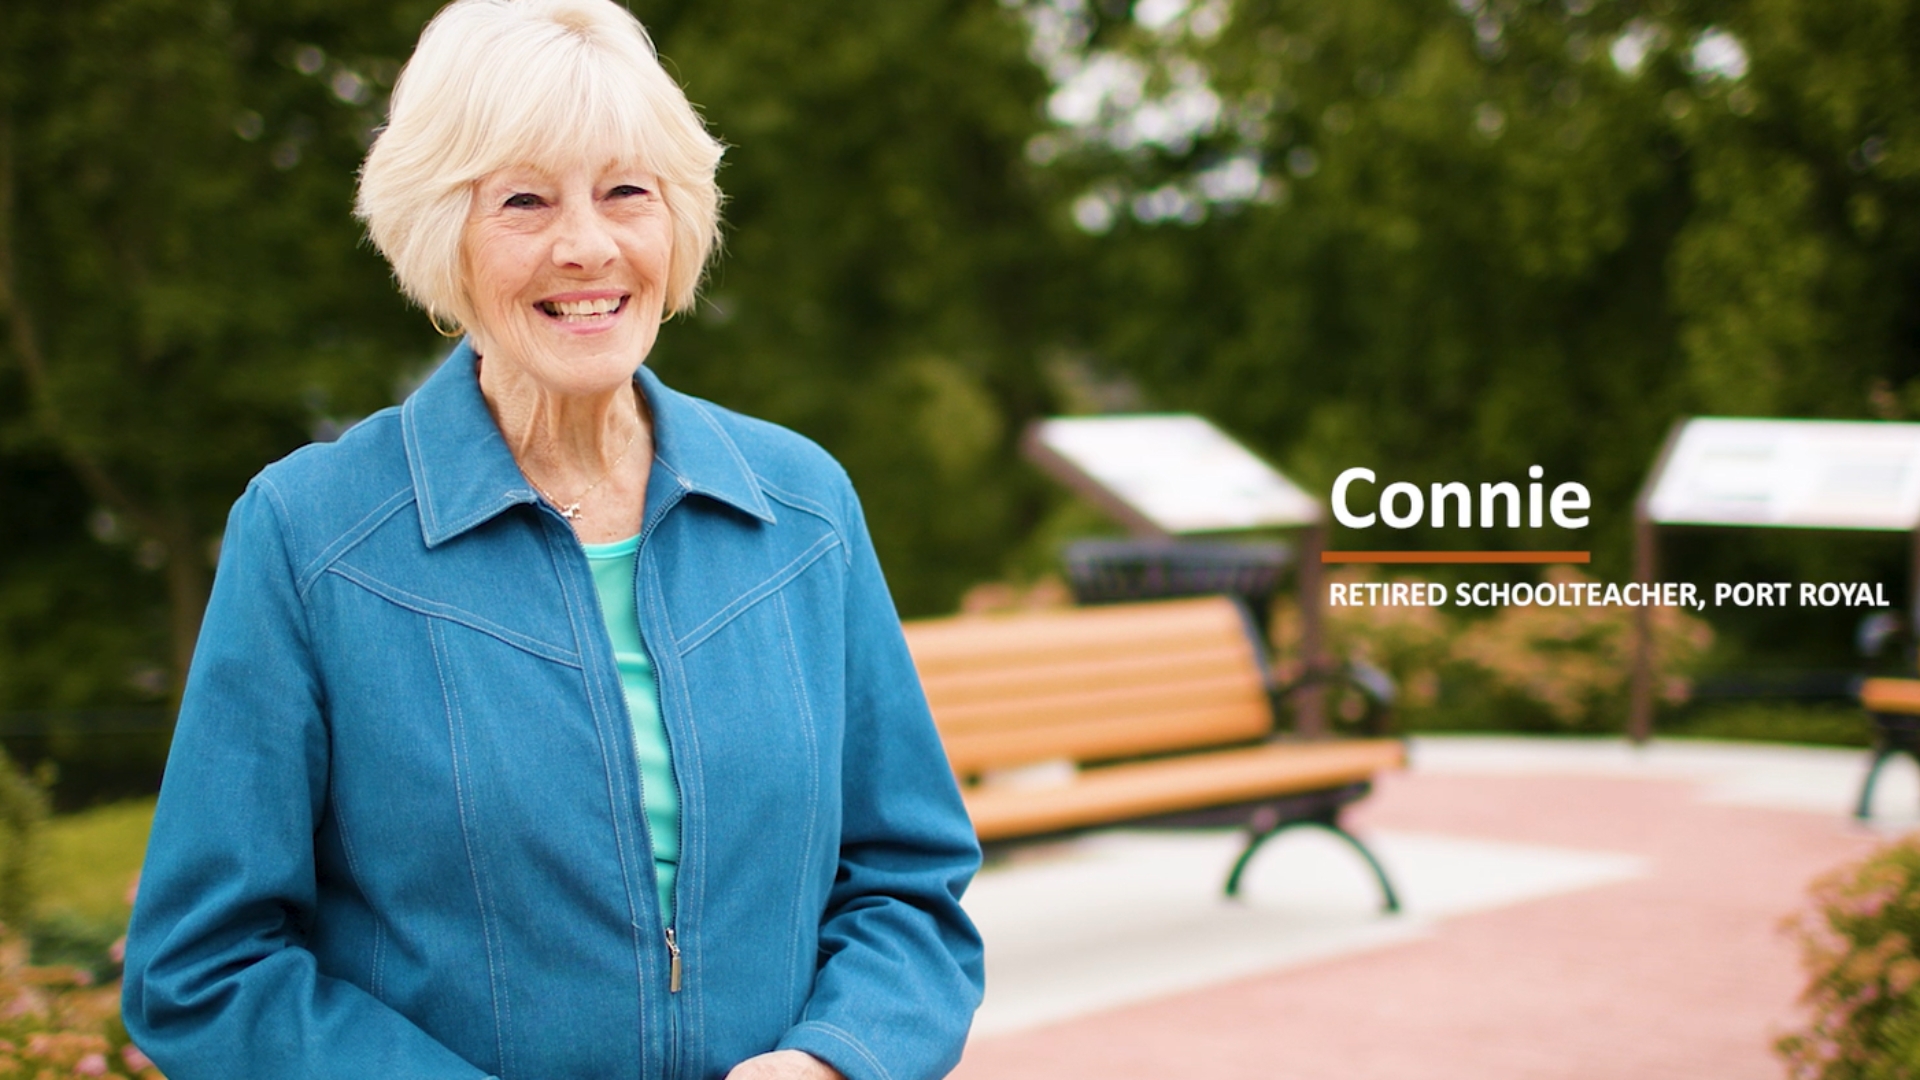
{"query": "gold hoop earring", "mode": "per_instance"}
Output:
(434, 318)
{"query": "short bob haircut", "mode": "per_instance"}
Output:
(545, 83)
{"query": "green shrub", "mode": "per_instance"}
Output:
(23, 819)
(1820, 723)
(1863, 991)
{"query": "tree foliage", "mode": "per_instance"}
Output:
(184, 296)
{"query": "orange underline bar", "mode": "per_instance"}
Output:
(1456, 557)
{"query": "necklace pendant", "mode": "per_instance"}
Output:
(569, 511)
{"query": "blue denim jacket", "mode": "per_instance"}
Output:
(401, 834)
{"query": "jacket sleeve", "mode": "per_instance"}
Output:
(901, 966)
(218, 981)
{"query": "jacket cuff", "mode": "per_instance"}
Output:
(837, 1048)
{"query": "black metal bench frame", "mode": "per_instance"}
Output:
(1261, 820)
(1893, 734)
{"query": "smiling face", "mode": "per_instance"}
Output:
(566, 272)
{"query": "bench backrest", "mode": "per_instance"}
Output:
(1891, 695)
(1090, 684)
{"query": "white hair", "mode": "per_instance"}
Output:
(544, 83)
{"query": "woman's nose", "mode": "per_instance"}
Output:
(583, 237)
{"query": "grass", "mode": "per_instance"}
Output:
(87, 864)
(89, 859)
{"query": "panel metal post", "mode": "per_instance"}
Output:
(1646, 567)
(1640, 688)
(1310, 709)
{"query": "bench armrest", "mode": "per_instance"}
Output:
(1374, 688)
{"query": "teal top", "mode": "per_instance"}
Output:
(613, 572)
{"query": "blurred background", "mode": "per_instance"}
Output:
(1443, 239)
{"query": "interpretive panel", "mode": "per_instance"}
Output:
(1177, 472)
(1826, 474)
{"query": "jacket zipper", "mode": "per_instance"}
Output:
(673, 964)
(675, 969)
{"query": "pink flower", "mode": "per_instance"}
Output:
(91, 1065)
(134, 1058)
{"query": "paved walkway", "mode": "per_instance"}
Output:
(1574, 911)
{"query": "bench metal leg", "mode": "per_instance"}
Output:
(1390, 901)
(1894, 734)
(1865, 809)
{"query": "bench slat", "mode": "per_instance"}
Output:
(1094, 740)
(1006, 682)
(1143, 789)
(1084, 704)
(969, 643)
(1891, 695)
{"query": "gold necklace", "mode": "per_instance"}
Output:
(571, 510)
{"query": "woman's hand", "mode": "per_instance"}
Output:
(784, 1065)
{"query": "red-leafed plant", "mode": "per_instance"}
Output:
(1862, 1000)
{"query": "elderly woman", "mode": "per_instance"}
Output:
(554, 724)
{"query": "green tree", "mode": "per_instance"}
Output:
(183, 291)
(1797, 273)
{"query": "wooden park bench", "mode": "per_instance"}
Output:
(1148, 714)
(1894, 705)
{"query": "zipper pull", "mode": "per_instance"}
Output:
(673, 965)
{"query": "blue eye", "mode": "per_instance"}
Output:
(621, 191)
(524, 201)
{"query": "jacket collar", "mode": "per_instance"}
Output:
(464, 474)
(689, 442)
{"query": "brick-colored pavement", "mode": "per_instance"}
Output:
(1682, 973)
